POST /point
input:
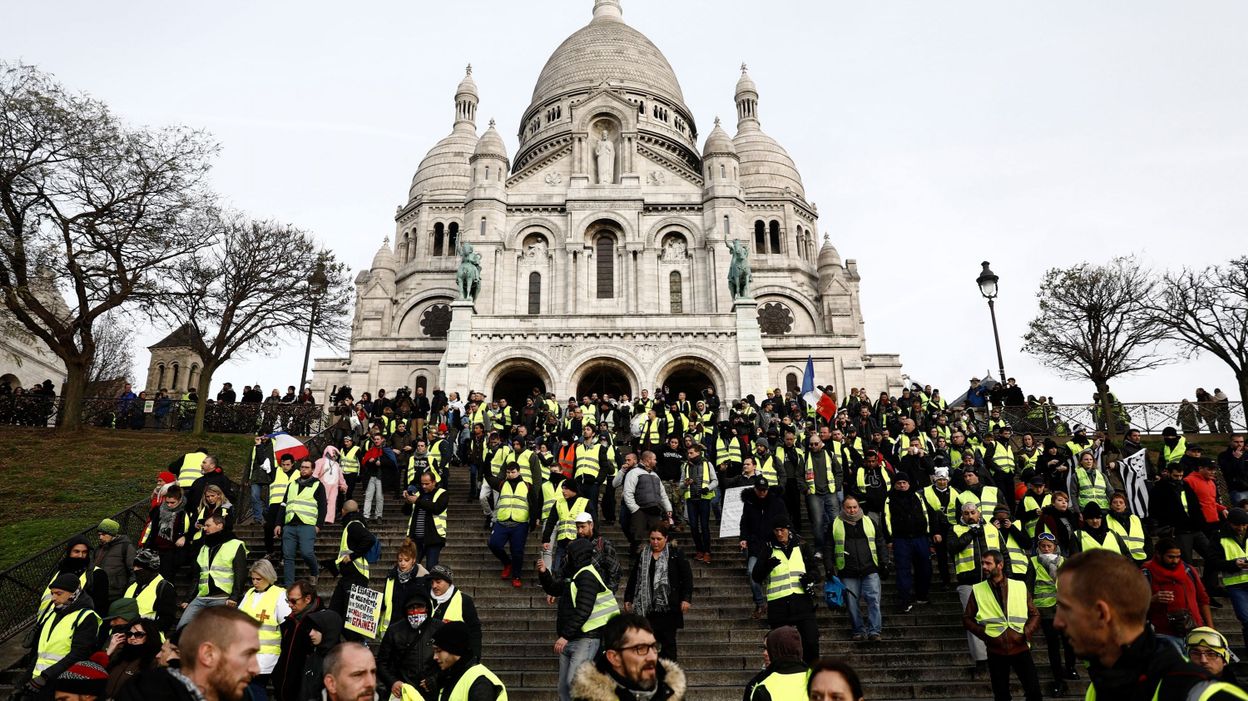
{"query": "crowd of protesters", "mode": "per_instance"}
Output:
(942, 496)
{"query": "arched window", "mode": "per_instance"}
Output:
(422, 382)
(801, 246)
(775, 236)
(677, 293)
(727, 228)
(192, 378)
(760, 237)
(437, 239)
(723, 173)
(452, 238)
(482, 227)
(176, 373)
(790, 383)
(535, 294)
(160, 376)
(407, 240)
(604, 249)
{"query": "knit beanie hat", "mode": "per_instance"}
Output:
(784, 643)
(65, 582)
(453, 637)
(109, 527)
(88, 677)
(125, 609)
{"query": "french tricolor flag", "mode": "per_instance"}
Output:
(814, 396)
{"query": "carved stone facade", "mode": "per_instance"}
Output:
(604, 247)
(25, 360)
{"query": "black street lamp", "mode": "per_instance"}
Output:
(317, 285)
(987, 282)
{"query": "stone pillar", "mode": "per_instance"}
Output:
(453, 368)
(751, 360)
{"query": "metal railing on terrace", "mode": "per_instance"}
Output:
(166, 415)
(1147, 417)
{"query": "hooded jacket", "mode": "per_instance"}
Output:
(406, 653)
(598, 682)
(97, 587)
(572, 614)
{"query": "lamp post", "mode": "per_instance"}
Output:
(317, 285)
(987, 282)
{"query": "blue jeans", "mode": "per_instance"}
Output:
(428, 553)
(1239, 601)
(864, 590)
(198, 604)
(823, 509)
(575, 653)
(298, 539)
(755, 588)
(913, 553)
(513, 537)
(700, 523)
(257, 502)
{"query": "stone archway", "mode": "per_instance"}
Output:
(515, 379)
(688, 378)
(604, 376)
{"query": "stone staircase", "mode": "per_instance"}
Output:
(923, 653)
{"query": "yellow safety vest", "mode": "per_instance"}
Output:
(262, 606)
(888, 514)
(200, 533)
(1233, 551)
(703, 482)
(1092, 489)
(989, 613)
(350, 461)
(1016, 555)
(727, 452)
(650, 431)
(1207, 691)
(1132, 535)
(786, 578)
(587, 459)
(281, 480)
(783, 686)
(767, 468)
(513, 503)
(862, 478)
(1003, 458)
(1044, 593)
(45, 602)
(565, 528)
(146, 599)
(1029, 505)
(988, 499)
(605, 606)
(965, 560)
(191, 470)
(302, 502)
(550, 491)
(838, 540)
(454, 607)
(829, 473)
(1087, 542)
(1172, 455)
(949, 510)
(525, 461)
(499, 460)
(361, 564)
(221, 568)
(56, 640)
(471, 675)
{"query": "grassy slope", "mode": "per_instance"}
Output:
(55, 485)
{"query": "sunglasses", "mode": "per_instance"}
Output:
(136, 634)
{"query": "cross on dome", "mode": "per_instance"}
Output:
(469, 69)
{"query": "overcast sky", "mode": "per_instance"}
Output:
(932, 135)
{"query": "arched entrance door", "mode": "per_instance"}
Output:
(688, 379)
(603, 378)
(515, 385)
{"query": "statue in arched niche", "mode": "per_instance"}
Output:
(604, 150)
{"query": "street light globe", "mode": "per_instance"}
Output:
(987, 281)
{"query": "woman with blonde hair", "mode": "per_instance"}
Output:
(265, 602)
(211, 503)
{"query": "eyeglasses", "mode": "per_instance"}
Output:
(1196, 653)
(136, 634)
(292, 600)
(642, 649)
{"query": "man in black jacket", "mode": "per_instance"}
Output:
(788, 603)
(578, 617)
(907, 526)
(350, 564)
(406, 653)
(761, 506)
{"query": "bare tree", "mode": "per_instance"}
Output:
(1094, 324)
(114, 349)
(250, 292)
(98, 208)
(1208, 311)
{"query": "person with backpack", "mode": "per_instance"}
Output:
(351, 564)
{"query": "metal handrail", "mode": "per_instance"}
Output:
(165, 414)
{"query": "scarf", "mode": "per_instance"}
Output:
(450, 591)
(190, 685)
(167, 518)
(404, 577)
(643, 602)
(851, 519)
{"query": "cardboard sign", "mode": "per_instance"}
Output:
(363, 611)
(730, 517)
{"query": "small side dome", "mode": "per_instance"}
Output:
(828, 255)
(467, 86)
(385, 258)
(491, 144)
(718, 143)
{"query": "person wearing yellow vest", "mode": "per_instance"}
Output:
(189, 467)
(64, 634)
(1231, 560)
(593, 466)
(987, 496)
(222, 564)
(1001, 614)
(426, 524)
(1129, 527)
(560, 526)
(350, 563)
(77, 561)
(908, 527)
(859, 555)
(1102, 607)
(970, 539)
(585, 605)
(821, 479)
(282, 477)
(1091, 485)
(156, 596)
(1173, 448)
(1043, 587)
(494, 460)
(785, 570)
(460, 676)
(260, 469)
(943, 511)
(1014, 545)
(299, 521)
(266, 602)
(451, 604)
(1031, 507)
(349, 457)
(511, 523)
(1095, 533)
(785, 674)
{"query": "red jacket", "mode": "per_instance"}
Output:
(1207, 494)
(1189, 594)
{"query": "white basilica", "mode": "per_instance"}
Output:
(604, 249)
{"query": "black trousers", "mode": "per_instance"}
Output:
(664, 625)
(999, 667)
(608, 502)
(1059, 648)
(793, 503)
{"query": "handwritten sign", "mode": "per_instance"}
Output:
(363, 611)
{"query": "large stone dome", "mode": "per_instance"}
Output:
(445, 172)
(608, 49)
(766, 168)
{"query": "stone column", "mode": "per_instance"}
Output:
(453, 368)
(751, 360)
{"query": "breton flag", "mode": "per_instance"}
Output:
(1134, 470)
(815, 396)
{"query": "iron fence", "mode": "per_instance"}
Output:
(166, 415)
(1146, 417)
